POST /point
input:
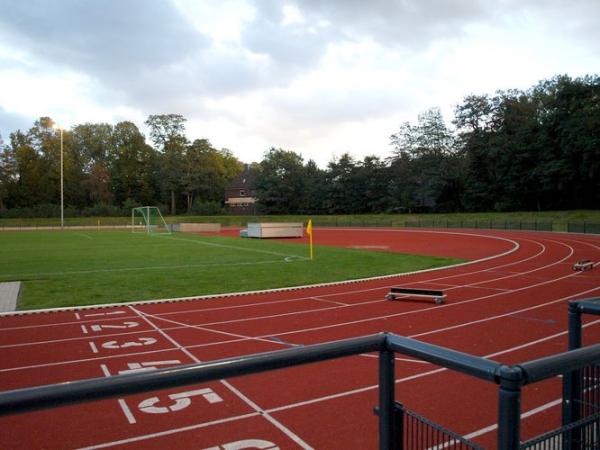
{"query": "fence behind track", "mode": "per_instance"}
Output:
(570, 227)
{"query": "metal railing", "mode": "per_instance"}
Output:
(535, 225)
(511, 379)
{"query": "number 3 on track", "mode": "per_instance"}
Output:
(141, 342)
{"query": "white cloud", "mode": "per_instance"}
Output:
(316, 77)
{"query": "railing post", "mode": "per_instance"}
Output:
(575, 338)
(386, 399)
(398, 434)
(509, 408)
(571, 408)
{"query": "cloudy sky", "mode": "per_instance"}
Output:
(320, 77)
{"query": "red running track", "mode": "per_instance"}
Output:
(509, 305)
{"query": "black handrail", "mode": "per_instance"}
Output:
(551, 366)
(44, 397)
(509, 378)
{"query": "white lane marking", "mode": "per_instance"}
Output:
(317, 400)
(80, 338)
(227, 384)
(93, 347)
(334, 302)
(524, 415)
(84, 329)
(374, 301)
(422, 374)
(128, 414)
(117, 312)
(126, 411)
(142, 268)
(234, 247)
(515, 247)
(81, 320)
(243, 338)
(110, 313)
(171, 431)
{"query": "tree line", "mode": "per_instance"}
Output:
(110, 169)
(536, 149)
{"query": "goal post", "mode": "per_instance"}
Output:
(148, 219)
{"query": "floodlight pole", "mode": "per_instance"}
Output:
(62, 195)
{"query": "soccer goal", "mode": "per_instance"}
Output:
(148, 219)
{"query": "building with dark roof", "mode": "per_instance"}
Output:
(239, 194)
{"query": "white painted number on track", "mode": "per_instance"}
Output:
(148, 365)
(141, 342)
(246, 444)
(124, 326)
(181, 401)
(112, 313)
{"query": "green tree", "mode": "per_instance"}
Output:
(167, 132)
(343, 191)
(423, 169)
(206, 172)
(134, 166)
(280, 182)
(315, 190)
(8, 173)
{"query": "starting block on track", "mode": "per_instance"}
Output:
(583, 265)
(416, 293)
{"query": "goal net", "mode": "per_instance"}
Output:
(148, 219)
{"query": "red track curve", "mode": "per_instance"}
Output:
(509, 306)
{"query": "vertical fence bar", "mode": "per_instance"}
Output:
(509, 408)
(571, 407)
(572, 380)
(386, 400)
(574, 325)
(398, 435)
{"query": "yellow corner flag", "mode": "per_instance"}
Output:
(309, 231)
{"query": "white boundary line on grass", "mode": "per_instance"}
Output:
(473, 285)
(260, 337)
(515, 247)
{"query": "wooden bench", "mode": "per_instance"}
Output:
(200, 227)
(406, 292)
(583, 265)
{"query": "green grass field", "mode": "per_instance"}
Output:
(72, 268)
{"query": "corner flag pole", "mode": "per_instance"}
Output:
(309, 231)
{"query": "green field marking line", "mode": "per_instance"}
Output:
(141, 268)
(234, 247)
(515, 247)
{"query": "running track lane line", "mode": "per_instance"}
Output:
(289, 433)
(516, 274)
(479, 432)
(515, 247)
(485, 319)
